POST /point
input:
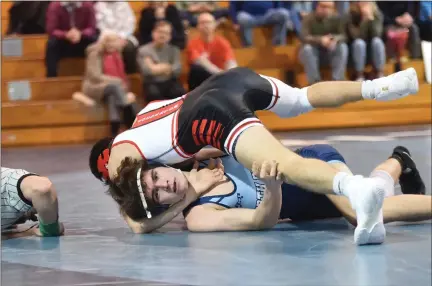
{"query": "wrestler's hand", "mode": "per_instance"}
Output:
(268, 173)
(201, 181)
(216, 164)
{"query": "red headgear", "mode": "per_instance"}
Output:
(102, 164)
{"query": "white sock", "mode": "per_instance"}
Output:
(389, 182)
(339, 183)
(368, 89)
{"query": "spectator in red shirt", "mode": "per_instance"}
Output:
(208, 54)
(71, 27)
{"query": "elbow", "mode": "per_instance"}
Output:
(264, 224)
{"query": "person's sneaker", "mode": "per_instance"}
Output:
(410, 179)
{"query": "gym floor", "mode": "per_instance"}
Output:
(99, 249)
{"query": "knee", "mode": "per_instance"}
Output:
(114, 88)
(129, 48)
(342, 50)
(42, 186)
(244, 19)
(377, 44)
(307, 50)
(281, 15)
(52, 43)
(359, 44)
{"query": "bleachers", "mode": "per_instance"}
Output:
(50, 116)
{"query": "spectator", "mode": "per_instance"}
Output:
(249, 14)
(27, 17)
(189, 11)
(323, 33)
(298, 10)
(397, 16)
(118, 16)
(160, 65)
(425, 21)
(364, 28)
(71, 27)
(208, 54)
(105, 80)
(157, 11)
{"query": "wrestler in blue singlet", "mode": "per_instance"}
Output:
(297, 203)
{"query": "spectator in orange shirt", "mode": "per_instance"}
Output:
(208, 54)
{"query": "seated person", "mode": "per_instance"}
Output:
(398, 18)
(236, 199)
(71, 27)
(157, 11)
(117, 16)
(247, 15)
(208, 53)
(160, 65)
(323, 35)
(364, 31)
(23, 194)
(105, 81)
(27, 17)
(190, 11)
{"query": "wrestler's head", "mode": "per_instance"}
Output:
(161, 186)
(98, 160)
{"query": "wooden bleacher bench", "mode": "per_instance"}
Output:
(49, 113)
(60, 88)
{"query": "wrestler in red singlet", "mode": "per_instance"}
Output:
(215, 114)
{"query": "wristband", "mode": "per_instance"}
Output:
(52, 229)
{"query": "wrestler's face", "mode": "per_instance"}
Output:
(166, 186)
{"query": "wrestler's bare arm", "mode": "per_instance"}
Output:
(208, 218)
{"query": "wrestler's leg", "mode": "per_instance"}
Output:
(365, 194)
(395, 208)
(290, 102)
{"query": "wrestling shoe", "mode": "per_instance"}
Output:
(394, 86)
(410, 179)
(367, 196)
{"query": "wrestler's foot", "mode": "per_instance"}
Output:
(392, 87)
(367, 196)
(410, 179)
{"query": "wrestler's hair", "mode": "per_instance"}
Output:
(124, 190)
(96, 150)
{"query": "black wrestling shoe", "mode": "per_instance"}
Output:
(410, 179)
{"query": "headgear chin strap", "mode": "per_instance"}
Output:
(140, 190)
(102, 164)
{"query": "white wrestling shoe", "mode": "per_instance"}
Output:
(395, 86)
(367, 196)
